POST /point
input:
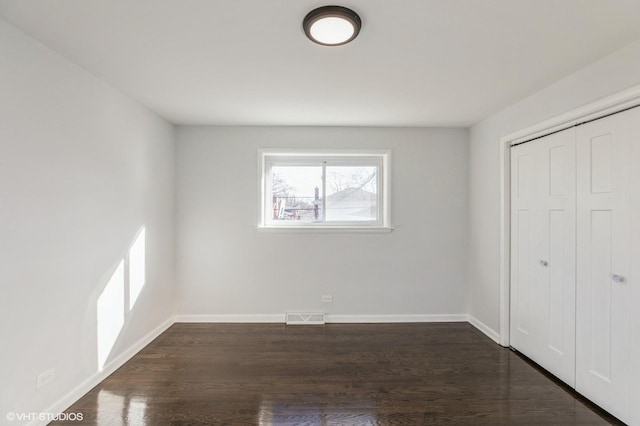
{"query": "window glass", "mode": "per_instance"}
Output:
(296, 193)
(352, 193)
(314, 189)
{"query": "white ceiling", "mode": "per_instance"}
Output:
(247, 62)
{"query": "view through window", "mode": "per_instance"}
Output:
(316, 190)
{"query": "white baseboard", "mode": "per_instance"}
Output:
(395, 318)
(278, 318)
(239, 318)
(491, 333)
(83, 388)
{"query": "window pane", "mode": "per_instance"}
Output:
(352, 193)
(296, 193)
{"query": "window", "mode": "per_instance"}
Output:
(318, 189)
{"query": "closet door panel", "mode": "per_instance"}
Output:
(543, 252)
(603, 362)
(557, 278)
(633, 279)
(523, 247)
(599, 295)
(556, 298)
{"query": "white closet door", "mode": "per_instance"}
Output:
(524, 246)
(557, 293)
(543, 252)
(603, 357)
(633, 280)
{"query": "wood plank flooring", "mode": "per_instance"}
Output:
(337, 374)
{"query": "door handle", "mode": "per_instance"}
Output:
(543, 263)
(617, 278)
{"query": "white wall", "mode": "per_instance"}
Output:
(82, 169)
(612, 74)
(224, 266)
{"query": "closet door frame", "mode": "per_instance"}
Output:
(618, 102)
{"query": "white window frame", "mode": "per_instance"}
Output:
(268, 158)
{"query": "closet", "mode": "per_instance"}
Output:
(575, 258)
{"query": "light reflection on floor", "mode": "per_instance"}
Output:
(116, 410)
(274, 412)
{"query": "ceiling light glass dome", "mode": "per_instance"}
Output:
(332, 25)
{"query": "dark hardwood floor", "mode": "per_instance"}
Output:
(338, 374)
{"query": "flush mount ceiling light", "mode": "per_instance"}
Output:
(332, 25)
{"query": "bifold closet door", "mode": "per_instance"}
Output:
(607, 295)
(543, 182)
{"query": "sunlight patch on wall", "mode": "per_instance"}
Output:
(137, 268)
(110, 314)
(119, 296)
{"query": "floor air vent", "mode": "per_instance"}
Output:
(304, 318)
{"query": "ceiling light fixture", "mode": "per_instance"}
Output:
(332, 25)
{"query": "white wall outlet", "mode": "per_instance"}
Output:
(45, 378)
(327, 298)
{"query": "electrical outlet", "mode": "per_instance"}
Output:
(327, 298)
(45, 378)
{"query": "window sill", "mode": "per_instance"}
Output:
(326, 229)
